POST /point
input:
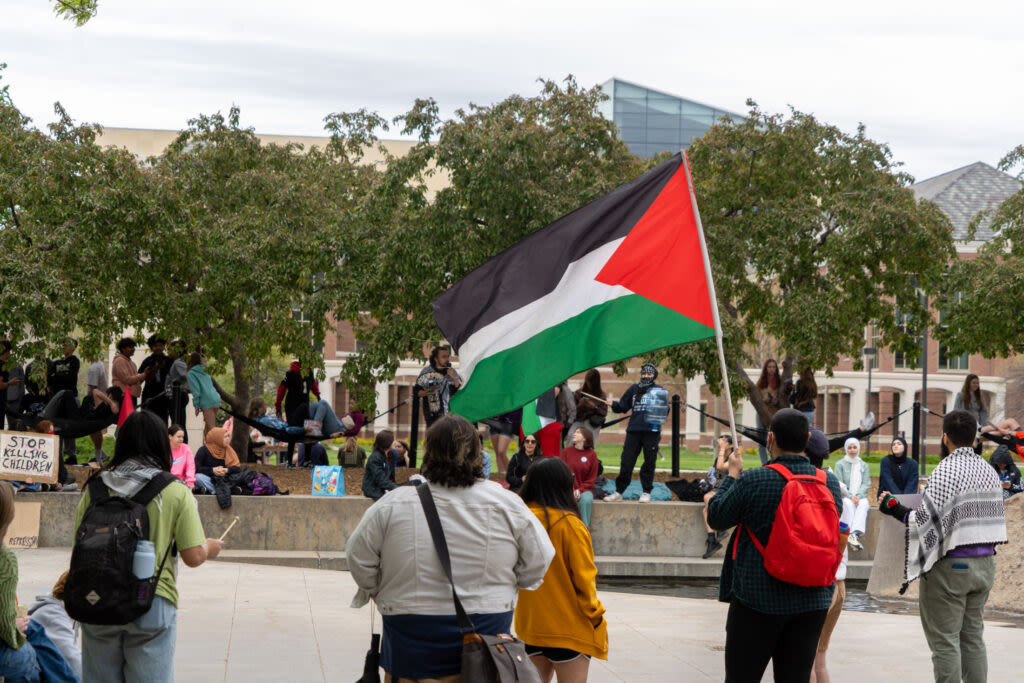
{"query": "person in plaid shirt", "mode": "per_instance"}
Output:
(768, 619)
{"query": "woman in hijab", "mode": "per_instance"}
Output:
(216, 459)
(854, 480)
(898, 474)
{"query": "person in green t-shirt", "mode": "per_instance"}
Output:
(143, 650)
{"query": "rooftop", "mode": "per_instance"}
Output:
(966, 191)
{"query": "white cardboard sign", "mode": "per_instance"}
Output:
(27, 455)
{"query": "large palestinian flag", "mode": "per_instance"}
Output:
(618, 277)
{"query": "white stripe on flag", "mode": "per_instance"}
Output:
(576, 292)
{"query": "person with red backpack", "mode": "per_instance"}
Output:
(780, 565)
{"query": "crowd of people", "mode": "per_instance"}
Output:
(519, 552)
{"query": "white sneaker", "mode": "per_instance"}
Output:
(868, 421)
(613, 496)
(645, 497)
(854, 541)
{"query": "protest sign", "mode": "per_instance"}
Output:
(27, 455)
(24, 529)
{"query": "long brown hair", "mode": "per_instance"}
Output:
(767, 380)
(592, 383)
(965, 392)
(808, 387)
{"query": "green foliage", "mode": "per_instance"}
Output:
(78, 11)
(979, 295)
(512, 168)
(813, 234)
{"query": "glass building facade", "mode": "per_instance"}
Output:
(650, 121)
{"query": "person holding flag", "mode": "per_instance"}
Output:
(649, 405)
(540, 419)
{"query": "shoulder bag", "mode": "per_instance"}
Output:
(485, 659)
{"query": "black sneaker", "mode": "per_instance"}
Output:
(713, 547)
(723, 535)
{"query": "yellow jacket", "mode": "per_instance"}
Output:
(565, 612)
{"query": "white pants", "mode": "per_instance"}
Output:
(858, 513)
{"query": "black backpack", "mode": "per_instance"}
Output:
(101, 588)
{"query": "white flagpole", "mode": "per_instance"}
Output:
(714, 302)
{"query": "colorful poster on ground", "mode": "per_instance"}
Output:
(27, 455)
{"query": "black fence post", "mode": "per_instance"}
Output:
(915, 439)
(676, 401)
(414, 428)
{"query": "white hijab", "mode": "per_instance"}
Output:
(855, 473)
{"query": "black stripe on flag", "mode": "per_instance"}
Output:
(533, 267)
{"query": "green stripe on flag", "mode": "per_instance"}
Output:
(611, 331)
(531, 421)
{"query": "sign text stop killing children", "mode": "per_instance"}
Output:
(27, 455)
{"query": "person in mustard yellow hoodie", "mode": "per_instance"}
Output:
(562, 622)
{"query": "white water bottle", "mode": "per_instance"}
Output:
(144, 561)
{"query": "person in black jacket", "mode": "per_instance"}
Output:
(641, 433)
(215, 460)
(62, 375)
(154, 393)
(294, 391)
(529, 450)
(379, 477)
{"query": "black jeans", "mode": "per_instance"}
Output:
(752, 638)
(635, 441)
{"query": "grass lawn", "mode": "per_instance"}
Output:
(609, 454)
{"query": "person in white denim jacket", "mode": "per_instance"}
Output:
(854, 480)
(497, 547)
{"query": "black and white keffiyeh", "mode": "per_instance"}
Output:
(962, 505)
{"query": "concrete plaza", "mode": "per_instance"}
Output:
(245, 622)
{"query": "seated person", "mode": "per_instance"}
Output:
(485, 469)
(1009, 475)
(48, 611)
(379, 477)
(183, 463)
(216, 459)
(897, 473)
(400, 454)
(720, 466)
(529, 451)
(582, 461)
(310, 455)
(854, 480)
(351, 454)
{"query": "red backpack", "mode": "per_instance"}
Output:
(803, 547)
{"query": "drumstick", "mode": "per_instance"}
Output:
(596, 398)
(228, 529)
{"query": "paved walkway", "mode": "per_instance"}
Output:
(243, 622)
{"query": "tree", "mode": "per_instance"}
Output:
(221, 241)
(68, 211)
(248, 233)
(979, 296)
(78, 11)
(512, 168)
(813, 234)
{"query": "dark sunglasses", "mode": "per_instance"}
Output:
(529, 440)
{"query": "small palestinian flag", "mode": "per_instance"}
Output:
(618, 277)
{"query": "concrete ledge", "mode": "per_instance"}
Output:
(321, 525)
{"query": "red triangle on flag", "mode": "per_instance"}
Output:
(661, 258)
(127, 407)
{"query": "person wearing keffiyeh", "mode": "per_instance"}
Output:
(950, 544)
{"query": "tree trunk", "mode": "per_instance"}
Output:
(240, 401)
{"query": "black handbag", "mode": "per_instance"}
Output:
(485, 658)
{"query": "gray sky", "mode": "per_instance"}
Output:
(941, 86)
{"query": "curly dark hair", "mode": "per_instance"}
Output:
(452, 453)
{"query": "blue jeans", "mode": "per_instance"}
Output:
(138, 652)
(19, 666)
(204, 482)
(322, 412)
(52, 663)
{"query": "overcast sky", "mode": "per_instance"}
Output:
(943, 87)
